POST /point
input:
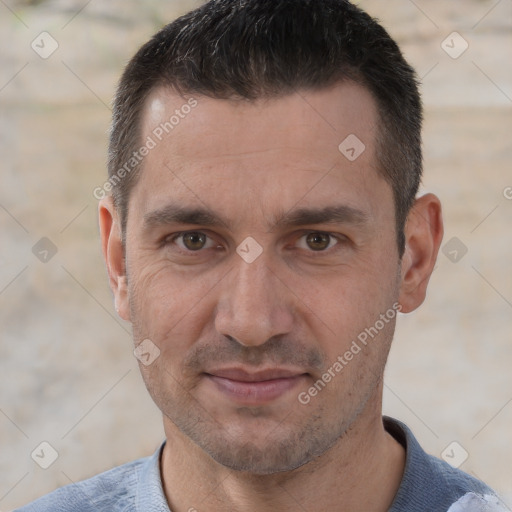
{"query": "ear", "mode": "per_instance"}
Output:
(112, 248)
(423, 236)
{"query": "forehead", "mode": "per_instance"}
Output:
(327, 115)
(261, 155)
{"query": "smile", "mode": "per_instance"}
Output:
(254, 388)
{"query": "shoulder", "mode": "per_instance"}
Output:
(114, 490)
(429, 482)
(454, 480)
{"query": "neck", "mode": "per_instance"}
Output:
(365, 459)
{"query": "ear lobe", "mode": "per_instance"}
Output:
(423, 236)
(113, 254)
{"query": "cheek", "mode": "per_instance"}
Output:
(346, 309)
(166, 305)
(351, 294)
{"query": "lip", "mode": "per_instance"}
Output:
(243, 375)
(255, 388)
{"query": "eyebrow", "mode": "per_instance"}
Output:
(180, 214)
(339, 214)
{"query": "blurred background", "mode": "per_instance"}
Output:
(68, 377)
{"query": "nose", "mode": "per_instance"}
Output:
(254, 303)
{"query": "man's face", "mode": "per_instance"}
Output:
(242, 335)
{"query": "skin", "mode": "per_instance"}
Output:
(298, 305)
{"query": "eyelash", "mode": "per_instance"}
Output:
(340, 239)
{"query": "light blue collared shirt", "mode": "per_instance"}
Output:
(428, 484)
(132, 487)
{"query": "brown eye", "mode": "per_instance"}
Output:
(318, 241)
(194, 241)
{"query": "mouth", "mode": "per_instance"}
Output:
(255, 388)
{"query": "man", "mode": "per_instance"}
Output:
(262, 234)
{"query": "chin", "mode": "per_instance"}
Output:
(268, 457)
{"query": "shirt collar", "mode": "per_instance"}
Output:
(150, 495)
